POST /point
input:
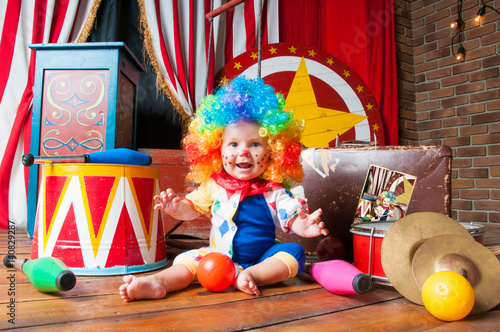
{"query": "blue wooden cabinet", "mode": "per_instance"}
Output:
(84, 100)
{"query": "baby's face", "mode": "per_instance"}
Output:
(386, 202)
(244, 153)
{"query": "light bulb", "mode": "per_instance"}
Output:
(480, 13)
(458, 23)
(461, 53)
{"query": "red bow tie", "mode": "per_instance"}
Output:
(251, 187)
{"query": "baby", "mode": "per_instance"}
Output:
(244, 149)
(385, 206)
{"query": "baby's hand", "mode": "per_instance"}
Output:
(168, 202)
(309, 225)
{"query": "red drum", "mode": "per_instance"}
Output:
(100, 219)
(367, 242)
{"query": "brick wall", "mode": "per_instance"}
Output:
(445, 101)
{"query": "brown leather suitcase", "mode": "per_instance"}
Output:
(334, 179)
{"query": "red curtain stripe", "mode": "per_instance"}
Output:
(360, 33)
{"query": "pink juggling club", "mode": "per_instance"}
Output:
(340, 277)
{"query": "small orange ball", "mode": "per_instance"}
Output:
(448, 296)
(216, 271)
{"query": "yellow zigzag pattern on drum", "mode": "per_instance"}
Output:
(42, 207)
(74, 194)
(96, 240)
(141, 215)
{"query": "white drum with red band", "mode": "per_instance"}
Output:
(100, 219)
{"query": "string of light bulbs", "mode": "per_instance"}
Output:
(459, 24)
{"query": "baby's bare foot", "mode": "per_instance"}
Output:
(245, 282)
(141, 288)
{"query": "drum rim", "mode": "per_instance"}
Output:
(87, 169)
(356, 229)
(473, 229)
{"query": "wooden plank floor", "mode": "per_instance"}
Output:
(299, 304)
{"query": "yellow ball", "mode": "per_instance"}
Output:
(448, 296)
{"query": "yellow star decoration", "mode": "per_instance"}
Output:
(237, 65)
(292, 49)
(369, 107)
(312, 53)
(224, 80)
(322, 124)
(272, 50)
(376, 127)
(346, 73)
(329, 61)
(359, 88)
(254, 55)
(405, 197)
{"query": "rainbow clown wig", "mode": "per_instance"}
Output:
(245, 100)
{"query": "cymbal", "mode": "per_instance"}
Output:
(402, 241)
(465, 256)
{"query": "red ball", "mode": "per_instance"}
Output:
(330, 248)
(216, 271)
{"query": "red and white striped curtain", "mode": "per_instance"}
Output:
(26, 22)
(176, 36)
